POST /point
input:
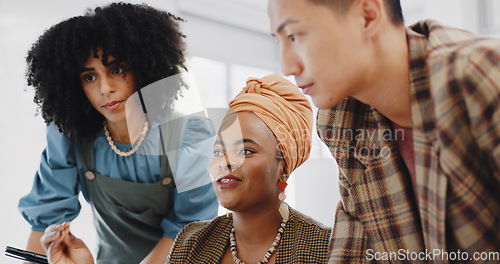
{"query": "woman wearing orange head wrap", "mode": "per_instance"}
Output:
(285, 111)
(266, 136)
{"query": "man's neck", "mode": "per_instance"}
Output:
(389, 82)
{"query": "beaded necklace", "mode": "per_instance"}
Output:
(269, 252)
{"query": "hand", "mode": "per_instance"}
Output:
(64, 248)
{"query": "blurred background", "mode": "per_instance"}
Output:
(227, 42)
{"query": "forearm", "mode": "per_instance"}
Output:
(160, 252)
(34, 244)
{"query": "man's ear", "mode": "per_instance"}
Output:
(372, 12)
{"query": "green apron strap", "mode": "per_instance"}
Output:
(165, 170)
(170, 134)
(87, 154)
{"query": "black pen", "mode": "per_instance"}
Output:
(27, 256)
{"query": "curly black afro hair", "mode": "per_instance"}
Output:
(146, 39)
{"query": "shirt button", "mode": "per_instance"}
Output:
(90, 175)
(166, 181)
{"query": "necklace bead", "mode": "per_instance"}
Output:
(269, 252)
(134, 149)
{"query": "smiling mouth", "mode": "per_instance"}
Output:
(227, 180)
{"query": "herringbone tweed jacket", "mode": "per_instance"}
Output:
(304, 241)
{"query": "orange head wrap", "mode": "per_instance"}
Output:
(285, 110)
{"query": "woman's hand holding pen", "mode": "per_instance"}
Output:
(63, 247)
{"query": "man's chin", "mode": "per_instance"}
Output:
(322, 103)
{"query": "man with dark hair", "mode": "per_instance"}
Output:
(393, 8)
(412, 117)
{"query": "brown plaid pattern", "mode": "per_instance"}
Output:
(304, 241)
(455, 94)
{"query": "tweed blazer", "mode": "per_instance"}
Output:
(455, 104)
(304, 241)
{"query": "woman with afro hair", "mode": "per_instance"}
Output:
(83, 71)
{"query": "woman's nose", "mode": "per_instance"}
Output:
(106, 86)
(229, 164)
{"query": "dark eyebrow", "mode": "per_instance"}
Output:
(238, 142)
(111, 63)
(246, 140)
(86, 69)
(284, 24)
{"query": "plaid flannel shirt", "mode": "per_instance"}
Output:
(455, 103)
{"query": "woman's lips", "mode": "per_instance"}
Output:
(112, 105)
(228, 181)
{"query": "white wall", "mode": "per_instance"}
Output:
(23, 135)
(465, 14)
(244, 41)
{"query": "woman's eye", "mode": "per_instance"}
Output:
(291, 37)
(117, 70)
(218, 153)
(89, 78)
(246, 152)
